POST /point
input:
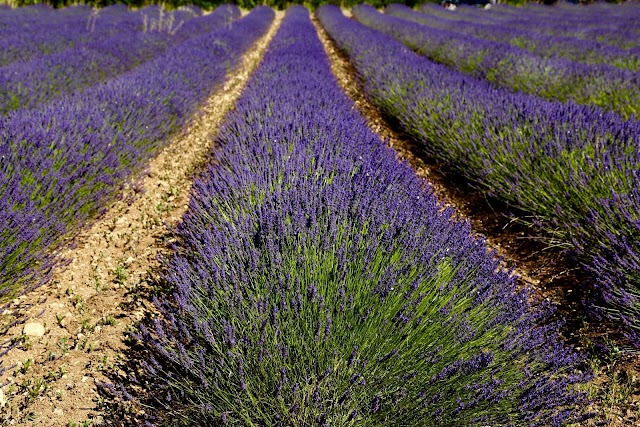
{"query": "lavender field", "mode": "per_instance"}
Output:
(308, 271)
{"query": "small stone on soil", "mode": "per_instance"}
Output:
(33, 329)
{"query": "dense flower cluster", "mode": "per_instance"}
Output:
(503, 64)
(28, 83)
(568, 165)
(61, 163)
(317, 281)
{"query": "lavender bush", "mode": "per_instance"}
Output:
(505, 65)
(318, 282)
(63, 163)
(27, 84)
(568, 165)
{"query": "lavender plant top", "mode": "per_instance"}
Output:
(62, 164)
(576, 169)
(318, 282)
(27, 84)
(508, 66)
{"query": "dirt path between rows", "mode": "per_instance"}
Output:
(78, 322)
(546, 270)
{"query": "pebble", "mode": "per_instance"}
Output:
(33, 329)
(3, 400)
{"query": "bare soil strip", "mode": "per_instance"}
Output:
(545, 269)
(78, 322)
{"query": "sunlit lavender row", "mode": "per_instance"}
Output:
(63, 162)
(32, 17)
(603, 85)
(575, 168)
(614, 25)
(543, 45)
(54, 31)
(138, 37)
(317, 281)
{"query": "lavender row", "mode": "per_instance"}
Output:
(599, 16)
(608, 87)
(545, 46)
(61, 164)
(612, 24)
(570, 13)
(317, 281)
(27, 84)
(29, 18)
(56, 31)
(618, 25)
(573, 167)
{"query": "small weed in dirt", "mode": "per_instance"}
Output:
(54, 375)
(32, 388)
(25, 366)
(63, 344)
(97, 283)
(81, 344)
(86, 326)
(108, 321)
(121, 273)
(78, 303)
(59, 319)
(22, 341)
